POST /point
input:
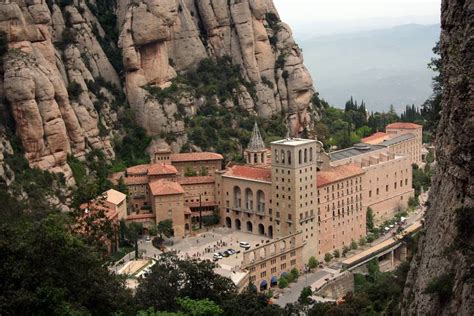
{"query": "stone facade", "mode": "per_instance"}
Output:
(268, 262)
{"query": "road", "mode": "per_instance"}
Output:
(291, 294)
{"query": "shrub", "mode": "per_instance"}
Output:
(362, 241)
(69, 36)
(442, 286)
(294, 274)
(413, 202)
(354, 244)
(336, 253)
(305, 293)
(345, 250)
(327, 257)
(370, 219)
(74, 90)
(267, 82)
(313, 263)
(282, 283)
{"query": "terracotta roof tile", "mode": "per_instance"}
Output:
(403, 125)
(335, 174)
(165, 188)
(254, 173)
(136, 180)
(138, 169)
(140, 216)
(115, 197)
(196, 180)
(196, 156)
(375, 138)
(161, 169)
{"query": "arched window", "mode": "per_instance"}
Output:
(289, 157)
(248, 199)
(260, 201)
(237, 197)
(305, 155)
(311, 154)
(282, 156)
(276, 155)
(299, 156)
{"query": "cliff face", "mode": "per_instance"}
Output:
(61, 75)
(440, 281)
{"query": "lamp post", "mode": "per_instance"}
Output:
(200, 212)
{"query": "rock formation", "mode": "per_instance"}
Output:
(440, 281)
(59, 74)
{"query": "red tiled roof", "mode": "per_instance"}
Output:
(196, 180)
(138, 169)
(248, 172)
(196, 156)
(403, 125)
(136, 180)
(165, 188)
(96, 206)
(335, 174)
(375, 138)
(161, 169)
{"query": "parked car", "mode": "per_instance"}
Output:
(217, 256)
(244, 244)
(147, 238)
(225, 253)
(231, 251)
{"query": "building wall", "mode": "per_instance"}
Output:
(413, 147)
(196, 191)
(341, 216)
(387, 185)
(248, 210)
(273, 259)
(294, 193)
(171, 207)
(140, 200)
(210, 165)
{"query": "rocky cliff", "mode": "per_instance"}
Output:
(69, 61)
(440, 281)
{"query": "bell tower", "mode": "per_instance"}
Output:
(256, 153)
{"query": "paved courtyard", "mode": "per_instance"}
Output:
(204, 245)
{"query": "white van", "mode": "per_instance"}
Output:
(244, 244)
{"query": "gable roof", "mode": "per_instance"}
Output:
(339, 173)
(196, 156)
(247, 172)
(402, 125)
(161, 169)
(165, 188)
(115, 197)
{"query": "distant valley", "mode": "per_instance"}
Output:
(383, 67)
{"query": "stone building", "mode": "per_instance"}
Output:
(341, 215)
(270, 261)
(402, 138)
(387, 183)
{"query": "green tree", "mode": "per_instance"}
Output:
(48, 270)
(133, 233)
(204, 307)
(336, 253)
(327, 257)
(369, 219)
(312, 263)
(362, 241)
(249, 302)
(172, 277)
(305, 293)
(294, 274)
(203, 171)
(165, 227)
(189, 172)
(283, 282)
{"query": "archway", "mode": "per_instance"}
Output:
(186, 227)
(248, 199)
(273, 281)
(263, 285)
(261, 229)
(270, 231)
(237, 224)
(228, 222)
(249, 226)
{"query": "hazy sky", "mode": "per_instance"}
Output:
(316, 17)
